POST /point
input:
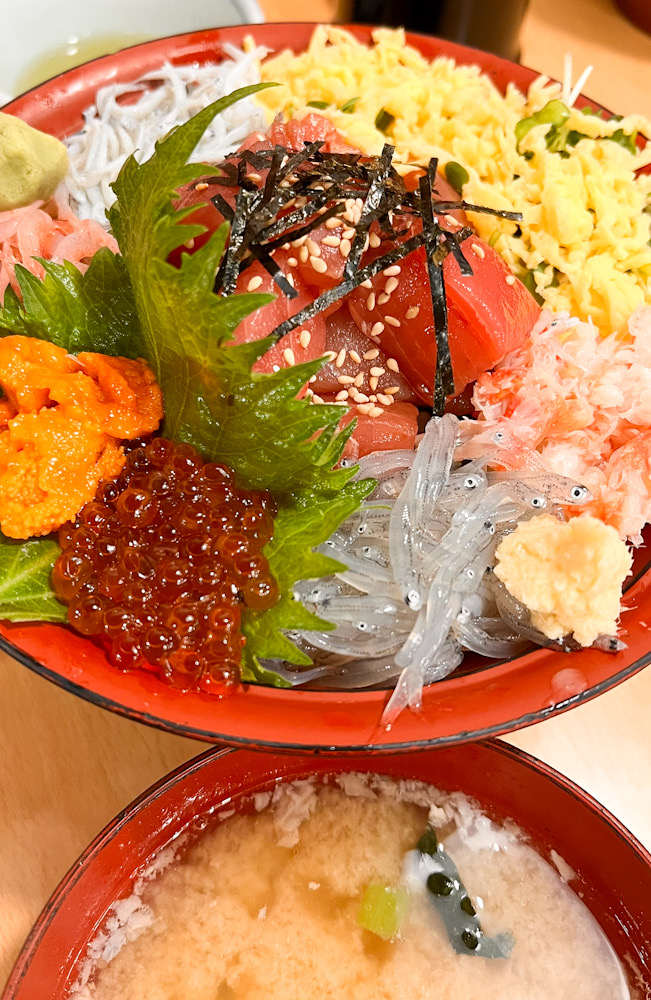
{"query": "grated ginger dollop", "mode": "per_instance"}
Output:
(568, 574)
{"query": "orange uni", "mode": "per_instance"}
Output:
(61, 421)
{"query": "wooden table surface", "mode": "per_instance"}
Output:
(67, 767)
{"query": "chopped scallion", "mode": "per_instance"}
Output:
(318, 104)
(349, 106)
(384, 120)
(383, 910)
(456, 175)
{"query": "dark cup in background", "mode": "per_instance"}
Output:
(491, 25)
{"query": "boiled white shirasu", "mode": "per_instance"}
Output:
(417, 589)
(169, 96)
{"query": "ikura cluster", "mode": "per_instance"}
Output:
(159, 566)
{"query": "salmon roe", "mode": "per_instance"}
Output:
(159, 566)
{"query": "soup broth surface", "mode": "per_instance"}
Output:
(266, 905)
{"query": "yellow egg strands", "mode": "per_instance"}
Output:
(584, 241)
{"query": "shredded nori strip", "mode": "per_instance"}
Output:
(262, 222)
(443, 378)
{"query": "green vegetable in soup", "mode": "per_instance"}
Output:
(383, 910)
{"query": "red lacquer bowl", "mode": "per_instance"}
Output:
(613, 870)
(481, 699)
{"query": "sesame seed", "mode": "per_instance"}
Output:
(312, 378)
(299, 242)
(374, 240)
(371, 355)
(366, 284)
(412, 312)
(288, 355)
(316, 399)
(344, 248)
(476, 249)
(451, 221)
(201, 186)
(373, 398)
(391, 285)
(377, 371)
(318, 264)
(392, 271)
(358, 379)
(331, 241)
(392, 365)
(345, 379)
(254, 283)
(392, 390)
(510, 279)
(348, 234)
(330, 355)
(382, 398)
(309, 393)
(304, 339)
(342, 394)
(285, 246)
(313, 248)
(189, 243)
(360, 397)
(303, 254)
(370, 302)
(383, 298)
(377, 329)
(290, 279)
(341, 357)
(292, 261)
(373, 382)
(284, 184)
(364, 408)
(392, 321)
(354, 356)
(333, 222)
(375, 411)
(341, 402)
(359, 203)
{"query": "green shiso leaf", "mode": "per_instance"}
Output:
(25, 590)
(137, 304)
(306, 521)
(94, 311)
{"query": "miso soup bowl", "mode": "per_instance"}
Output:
(613, 871)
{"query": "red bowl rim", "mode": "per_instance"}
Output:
(195, 729)
(165, 784)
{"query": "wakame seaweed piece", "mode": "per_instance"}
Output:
(448, 894)
(443, 377)
(372, 202)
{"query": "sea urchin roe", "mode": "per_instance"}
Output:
(160, 564)
(61, 423)
(568, 574)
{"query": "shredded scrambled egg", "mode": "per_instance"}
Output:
(60, 424)
(586, 224)
(568, 574)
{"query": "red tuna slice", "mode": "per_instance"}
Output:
(343, 334)
(489, 314)
(395, 427)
